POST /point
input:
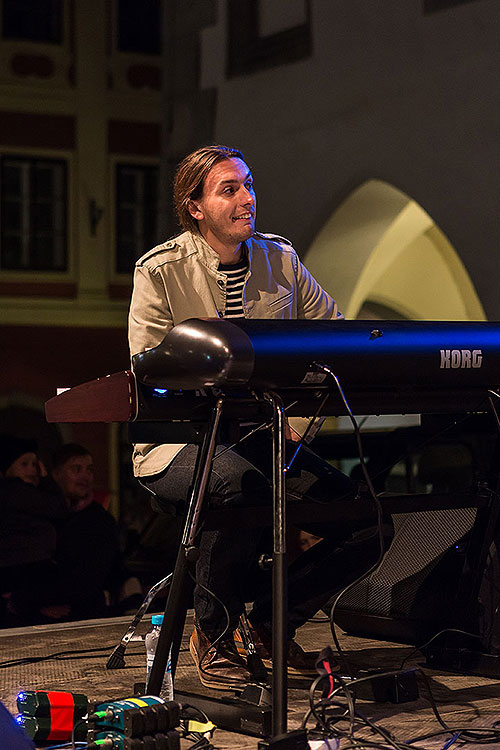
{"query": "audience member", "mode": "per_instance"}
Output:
(31, 505)
(26, 465)
(88, 549)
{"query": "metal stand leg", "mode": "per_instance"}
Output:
(117, 660)
(280, 572)
(178, 598)
(176, 607)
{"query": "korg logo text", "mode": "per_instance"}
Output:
(464, 358)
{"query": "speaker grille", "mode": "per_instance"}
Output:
(420, 542)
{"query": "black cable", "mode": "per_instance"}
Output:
(468, 732)
(75, 725)
(305, 435)
(493, 407)
(187, 707)
(386, 734)
(326, 724)
(427, 643)
(79, 654)
(371, 488)
(324, 368)
(262, 426)
(198, 738)
(199, 743)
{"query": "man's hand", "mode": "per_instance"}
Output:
(291, 434)
(42, 471)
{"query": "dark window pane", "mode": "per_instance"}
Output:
(43, 182)
(126, 222)
(150, 221)
(11, 252)
(33, 215)
(150, 189)
(36, 20)
(42, 249)
(11, 180)
(139, 26)
(42, 218)
(128, 186)
(11, 218)
(136, 213)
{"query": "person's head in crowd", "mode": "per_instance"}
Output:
(73, 470)
(19, 459)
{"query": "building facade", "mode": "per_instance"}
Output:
(80, 124)
(373, 134)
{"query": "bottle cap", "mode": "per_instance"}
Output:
(157, 619)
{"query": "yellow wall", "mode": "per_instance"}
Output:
(380, 246)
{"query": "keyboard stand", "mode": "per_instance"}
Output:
(178, 598)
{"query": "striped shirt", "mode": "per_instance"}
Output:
(235, 275)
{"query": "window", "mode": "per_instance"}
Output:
(139, 26)
(262, 37)
(136, 214)
(35, 20)
(33, 215)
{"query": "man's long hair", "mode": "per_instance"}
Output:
(190, 179)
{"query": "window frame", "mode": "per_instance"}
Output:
(248, 53)
(50, 275)
(63, 29)
(116, 165)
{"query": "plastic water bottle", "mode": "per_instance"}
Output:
(151, 640)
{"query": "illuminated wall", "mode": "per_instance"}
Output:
(334, 95)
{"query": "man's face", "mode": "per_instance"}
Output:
(25, 467)
(76, 479)
(226, 210)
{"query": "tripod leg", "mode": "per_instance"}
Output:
(116, 659)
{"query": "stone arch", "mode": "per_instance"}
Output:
(381, 255)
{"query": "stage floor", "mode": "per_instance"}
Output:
(72, 657)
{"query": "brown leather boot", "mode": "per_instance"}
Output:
(219, 666)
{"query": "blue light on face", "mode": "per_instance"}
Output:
(19, 719)
(21, 696)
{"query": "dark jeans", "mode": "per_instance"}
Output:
(227, 565)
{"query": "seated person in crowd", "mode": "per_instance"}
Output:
(31, 506)
(88, 548)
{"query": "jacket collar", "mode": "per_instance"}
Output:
(208, 255)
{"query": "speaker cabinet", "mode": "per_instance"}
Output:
(412, 593)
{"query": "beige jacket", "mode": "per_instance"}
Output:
(180, 280)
